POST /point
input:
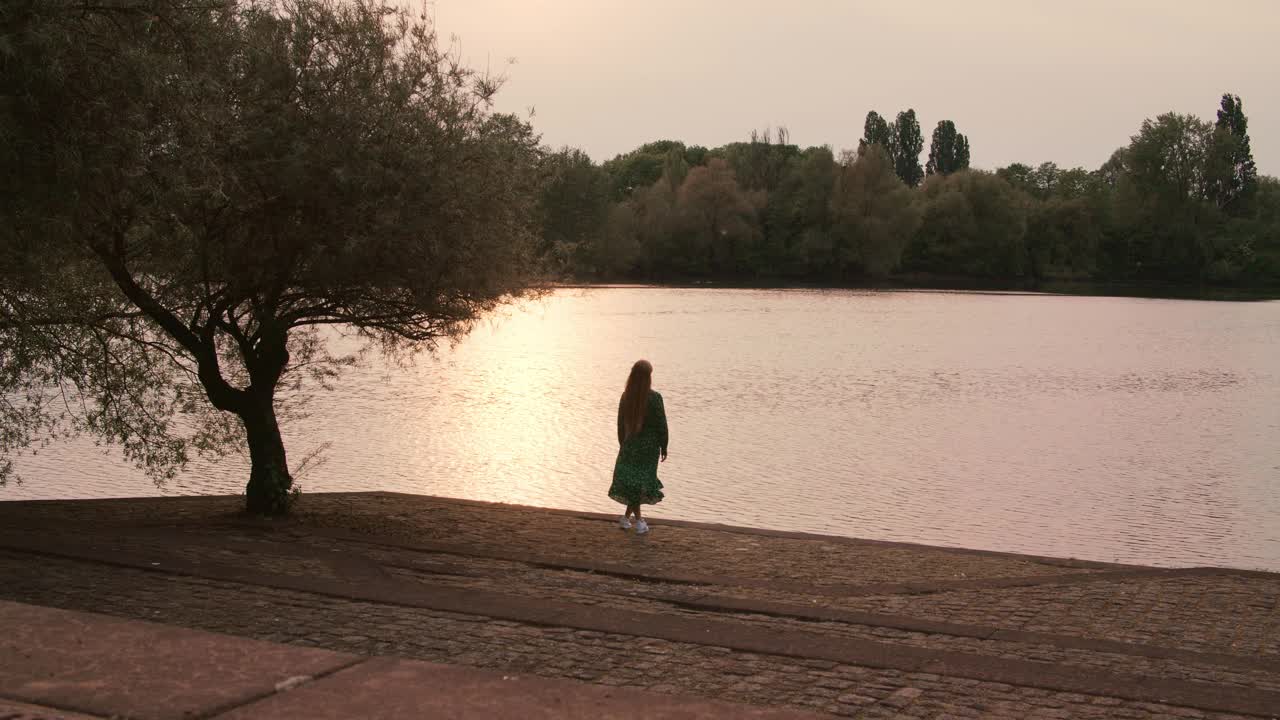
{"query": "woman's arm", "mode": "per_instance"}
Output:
(660, 417)
(622, 429)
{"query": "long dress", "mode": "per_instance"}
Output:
(635, 472)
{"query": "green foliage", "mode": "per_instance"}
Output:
(191, 192)
(875, 215)
(1063, 237)
(574, 204)
(1048, 180)
(1154, 212)
(719, 220)
(759, 164)
(640, 168)
(1160, 202)
(974, 224)
(876, 131)
(1233, 175)
(948, 151)
(906, 144)
(901, 140)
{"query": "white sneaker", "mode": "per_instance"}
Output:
(642, 527)
(625, 523)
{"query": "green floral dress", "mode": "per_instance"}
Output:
(635, 473)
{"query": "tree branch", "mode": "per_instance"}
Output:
(221, 393)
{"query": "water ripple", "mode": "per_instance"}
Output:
(1112, 429)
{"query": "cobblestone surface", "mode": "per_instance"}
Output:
(509, 577)
(1233, 614)
(370, 628)
(1237, 615)
(587, 589)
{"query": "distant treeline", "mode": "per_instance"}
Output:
(1182, 203)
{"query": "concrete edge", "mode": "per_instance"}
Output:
(606, 517)
(357, 566)
(766, 641)
(241, 519)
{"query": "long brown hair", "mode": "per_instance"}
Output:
(635, 399)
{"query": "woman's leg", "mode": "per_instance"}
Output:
(631, 510)
(637, 511)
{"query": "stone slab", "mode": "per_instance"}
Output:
(393, 688)
(703, 631)
(112, 667)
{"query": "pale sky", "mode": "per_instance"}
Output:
(1027, 80)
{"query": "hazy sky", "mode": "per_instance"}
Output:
(1026, 80)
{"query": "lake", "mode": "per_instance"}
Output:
(1113, 429)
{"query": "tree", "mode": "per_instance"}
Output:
(574, 204)
(874, 214)
(720, 217)
(761, 163)
(905, 149)
(1160, 200)
(1020, 176)
(948, 150)
(1234, 177)
(640, 168)
(674, 167)
(817, 177)
(1168, 158)
(1062, 239)
(617, 251)
(651, 219)
(192, 194)
(962, 152)
(1046, 180)
(1075, 183)
(1258, 253)
(974, 224)
(875, 131)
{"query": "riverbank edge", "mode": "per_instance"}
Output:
(944, 285)
(611, 518)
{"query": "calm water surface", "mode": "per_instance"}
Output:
(1103, 428)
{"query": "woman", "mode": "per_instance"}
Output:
(642, 433)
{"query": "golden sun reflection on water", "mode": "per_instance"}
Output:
(1101, 428)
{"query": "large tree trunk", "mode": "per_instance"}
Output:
(269, 479)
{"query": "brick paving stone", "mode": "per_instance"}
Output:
(359, 627)
(1234, 614)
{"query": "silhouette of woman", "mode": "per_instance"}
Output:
(642, 437)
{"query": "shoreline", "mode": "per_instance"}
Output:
(1068, 561)
(1047, 289)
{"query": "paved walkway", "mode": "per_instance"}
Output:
(846, 627)
(71, 665)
